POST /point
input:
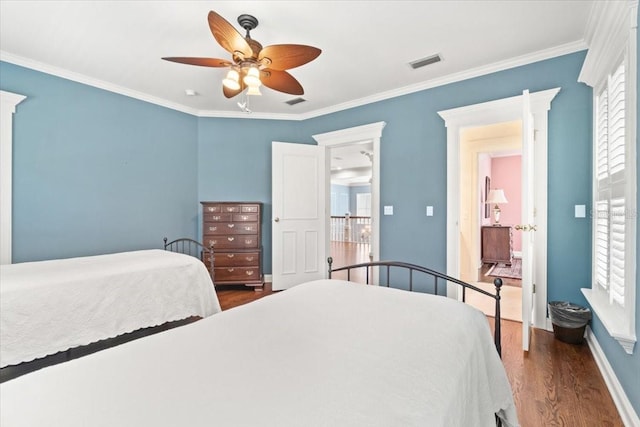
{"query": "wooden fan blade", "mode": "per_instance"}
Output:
(287, 56)
(230, 93)
(203, 62)
(281, 81)
(227, 36)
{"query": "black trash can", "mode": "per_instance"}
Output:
(569, 321)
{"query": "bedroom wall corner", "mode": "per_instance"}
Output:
(96, 172)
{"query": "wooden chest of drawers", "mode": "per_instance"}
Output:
(233, 228)
(496, 244)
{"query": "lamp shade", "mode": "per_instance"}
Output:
(232, 80)
(253, 77)
(496, 196)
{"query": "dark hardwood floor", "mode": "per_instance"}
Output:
(554, 384)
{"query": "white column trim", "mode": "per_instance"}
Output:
(8, 103)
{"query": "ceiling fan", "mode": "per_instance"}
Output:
(251, 64)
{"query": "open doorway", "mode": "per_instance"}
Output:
(532, 109)
(350, 230)
(362, 143)
(491, 156)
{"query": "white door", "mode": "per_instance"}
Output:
(528, 220)
(299, 216)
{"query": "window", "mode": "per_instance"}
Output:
(609, 201)
(611, 71)
(363, 204)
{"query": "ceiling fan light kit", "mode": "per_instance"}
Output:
(252, 65)
(232, 81)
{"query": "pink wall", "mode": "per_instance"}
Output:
(506, 174)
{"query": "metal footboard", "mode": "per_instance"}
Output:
(412, 270)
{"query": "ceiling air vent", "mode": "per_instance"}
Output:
(295, 101)
(425, 61)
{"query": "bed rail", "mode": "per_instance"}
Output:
(194, 248)
(438, 278)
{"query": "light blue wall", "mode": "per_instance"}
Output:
(340, 207)
(234, 164)
(95, 172)
(413, 165)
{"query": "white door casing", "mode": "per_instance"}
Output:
(498, 111)
(527, 218)
(299, 197)
(8, 102)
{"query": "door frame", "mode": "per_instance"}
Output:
(338, 138)
(483, 114)
(9, 101)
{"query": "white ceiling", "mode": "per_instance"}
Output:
(366, 46)
(352, 164)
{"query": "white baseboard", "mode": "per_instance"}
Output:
(627, 413)
(517, 254)
(268, 278)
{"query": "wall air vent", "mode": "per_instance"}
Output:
(425, 61)
(295, 101)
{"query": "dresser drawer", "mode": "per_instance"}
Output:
(245, 217)
(221, 208)
(211, 208)
(217, 217)
(250, 209)
(223, 274)
(231, 242)
(228, 228)
(241, 259)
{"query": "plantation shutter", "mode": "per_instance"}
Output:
(610, 197)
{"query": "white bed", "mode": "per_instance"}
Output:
(52, 306)
(324, 353)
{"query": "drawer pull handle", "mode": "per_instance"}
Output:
(212, 242)
(213, 228)
(231, 239)
(244, 217)
(229, 209)
(216, 217)
(231, 225)
(230, 270)
(230, 255)
(249, 258)
(248, 242)
(249, 272)
(248, 228)
(212, 209)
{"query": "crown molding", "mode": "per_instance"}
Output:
(90, 81)
(608, 31)
(457, 77)
(452, 78)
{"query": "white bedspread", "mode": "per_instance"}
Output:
(326, 353)
(51, 306)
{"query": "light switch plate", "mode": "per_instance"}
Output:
(580, 211)
(429, 210)
(388, 210)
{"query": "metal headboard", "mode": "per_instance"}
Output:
(194, 248)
